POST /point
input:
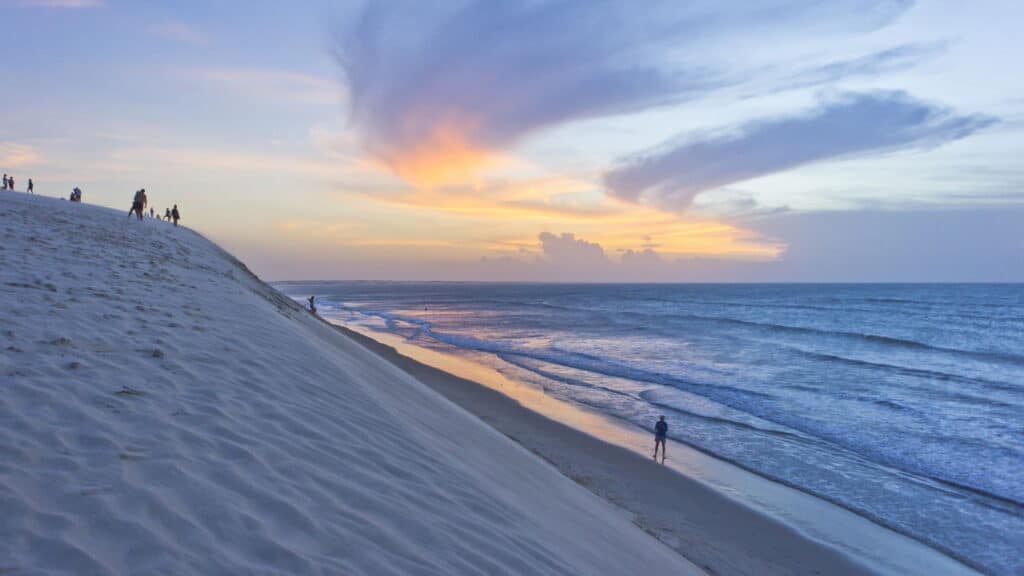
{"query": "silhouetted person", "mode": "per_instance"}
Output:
(10, 182)
(5, 182)
(660, 434)
(312, 304)
(175, 215)
(31, 186)
(167, 215)
(152, 213)
(138, 204)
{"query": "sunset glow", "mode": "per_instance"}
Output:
(390, 137)
(445, 155)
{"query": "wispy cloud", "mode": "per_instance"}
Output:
(141, 159)
(268, 81)
(14, 155)
(437, 90)
(180, 32)
(895, 59)
(855, 124)
(62, 3)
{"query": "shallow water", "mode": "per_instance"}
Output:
(903, 403)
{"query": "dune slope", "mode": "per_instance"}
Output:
(163, 411)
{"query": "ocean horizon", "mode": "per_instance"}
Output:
(899, 402)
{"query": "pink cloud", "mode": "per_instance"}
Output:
(17, 155)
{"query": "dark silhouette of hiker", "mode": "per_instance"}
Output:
(31, 186)
(138, 204)
(312, 304)
(167, 215)
(5, 182)
(10, 182)
(76, 194)
(135, 204)
(175, 214)
(660, 434)
(152, 213)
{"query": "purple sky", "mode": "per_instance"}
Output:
(576, 140)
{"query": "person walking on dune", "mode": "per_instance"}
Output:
(167, 214)
(660, 434)
(175, 215)
(312, 304)
(31, 186)
(138, 204)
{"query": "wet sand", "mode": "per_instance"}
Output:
(718, 531)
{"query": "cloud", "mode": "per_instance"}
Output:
(886, 61)
(18, 155)
(268, 81)
(851, 125)
(568, 250)
(982, 245)
(180, 32)
(436, 91)
(63, 3)
(147, 159)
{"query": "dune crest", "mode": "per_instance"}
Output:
(164, 411)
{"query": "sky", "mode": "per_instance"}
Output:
(571, 140)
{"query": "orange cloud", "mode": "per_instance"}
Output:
(505, 217)
(17, 155)
(445, 155)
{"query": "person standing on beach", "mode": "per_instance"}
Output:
(175, 215)
(660, 434)
(312, 305)
(31, 186)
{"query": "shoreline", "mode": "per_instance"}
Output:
(744, 525)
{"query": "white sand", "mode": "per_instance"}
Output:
(164, 412)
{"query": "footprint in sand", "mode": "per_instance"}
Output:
(126, 391)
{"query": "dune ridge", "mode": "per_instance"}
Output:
(164, 411)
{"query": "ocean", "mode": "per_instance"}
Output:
(902, 403)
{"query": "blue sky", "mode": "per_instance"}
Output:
(571, 140)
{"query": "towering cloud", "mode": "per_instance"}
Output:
(855, 124)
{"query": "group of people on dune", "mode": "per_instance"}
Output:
(138, 208)
(8, 184)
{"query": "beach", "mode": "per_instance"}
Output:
(685, 505)
(530, 287)
(895, 403)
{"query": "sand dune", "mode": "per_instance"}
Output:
(164, 412)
